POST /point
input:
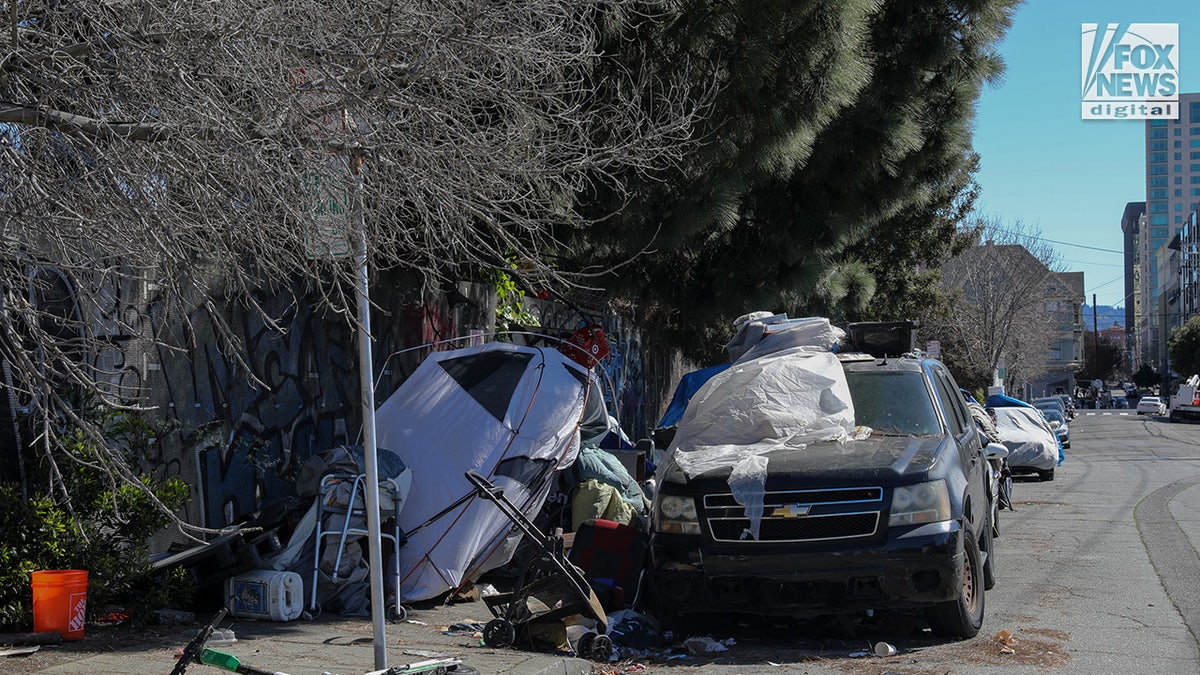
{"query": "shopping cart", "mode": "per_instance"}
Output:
(549, 588)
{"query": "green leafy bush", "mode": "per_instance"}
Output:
(77, 515)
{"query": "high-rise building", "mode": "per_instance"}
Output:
(1172, 193)
(1130, 222)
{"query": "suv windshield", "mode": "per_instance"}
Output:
(893, 402)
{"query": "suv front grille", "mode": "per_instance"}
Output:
(789, 516)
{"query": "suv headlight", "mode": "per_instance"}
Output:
(920, 503)
(677, 515)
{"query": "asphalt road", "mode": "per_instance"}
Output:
(1099, 573)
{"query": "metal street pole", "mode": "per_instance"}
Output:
(366, 368)
(1095, 343)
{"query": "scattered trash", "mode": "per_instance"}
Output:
(858, 654)
(415, 622)
(488, 590)
(884, 649)
(424, 653)
(468, 627)
(632, 631)
(112, 616)
(20, 651)
(1005, 640)
(470, 594)
(706, 645)
(221, 636)
(442, 665)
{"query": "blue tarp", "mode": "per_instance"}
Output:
(689, 384)
(1002, 401)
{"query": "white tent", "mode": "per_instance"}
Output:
(509, 412)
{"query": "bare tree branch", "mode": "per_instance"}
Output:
(201, 150)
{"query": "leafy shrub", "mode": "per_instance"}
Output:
(77, 515)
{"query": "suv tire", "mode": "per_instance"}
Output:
(1047, 475)
(962, 617)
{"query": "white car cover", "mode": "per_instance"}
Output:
(1029, 440)
(784, 399)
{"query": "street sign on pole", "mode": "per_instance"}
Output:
(334, 206)
(327, 203)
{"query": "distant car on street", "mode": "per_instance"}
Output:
(1069, 403)
(1151, 405)
(1051, 403)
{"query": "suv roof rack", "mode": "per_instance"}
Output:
(882, 339)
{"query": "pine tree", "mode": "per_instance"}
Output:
(833, 125)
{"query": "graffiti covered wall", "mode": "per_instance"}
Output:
(237, 424)
(241, 405)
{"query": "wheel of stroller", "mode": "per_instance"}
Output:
(397, 613)
(499, 633)
(602, 648)
(584, 646)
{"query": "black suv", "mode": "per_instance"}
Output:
(900, 519)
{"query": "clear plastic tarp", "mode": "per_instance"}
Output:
(783, 399)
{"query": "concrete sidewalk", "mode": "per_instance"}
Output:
(328, 644)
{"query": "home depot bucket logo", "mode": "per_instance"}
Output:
(1130, 71)
(78, 612)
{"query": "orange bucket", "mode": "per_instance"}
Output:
(60, 602)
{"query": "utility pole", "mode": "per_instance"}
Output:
(1095, 343)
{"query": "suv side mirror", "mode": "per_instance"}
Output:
(996, 451)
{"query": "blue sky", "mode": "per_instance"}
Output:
(1043, 165)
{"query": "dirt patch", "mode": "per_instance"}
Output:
(1006, 648)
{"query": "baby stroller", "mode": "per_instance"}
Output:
(548, 589)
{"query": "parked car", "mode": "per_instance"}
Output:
(896, 518)
(1151, 405)
(1050, 403)
(1068, 403)
(1032, 445)
(1058, 423)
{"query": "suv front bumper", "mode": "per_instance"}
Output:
(919, 568)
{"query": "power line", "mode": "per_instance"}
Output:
(1107, 283)
(1093, 264)
(1054, 241)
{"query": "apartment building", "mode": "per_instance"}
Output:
(1172, 196)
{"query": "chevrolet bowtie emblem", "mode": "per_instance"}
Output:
(791, 511)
